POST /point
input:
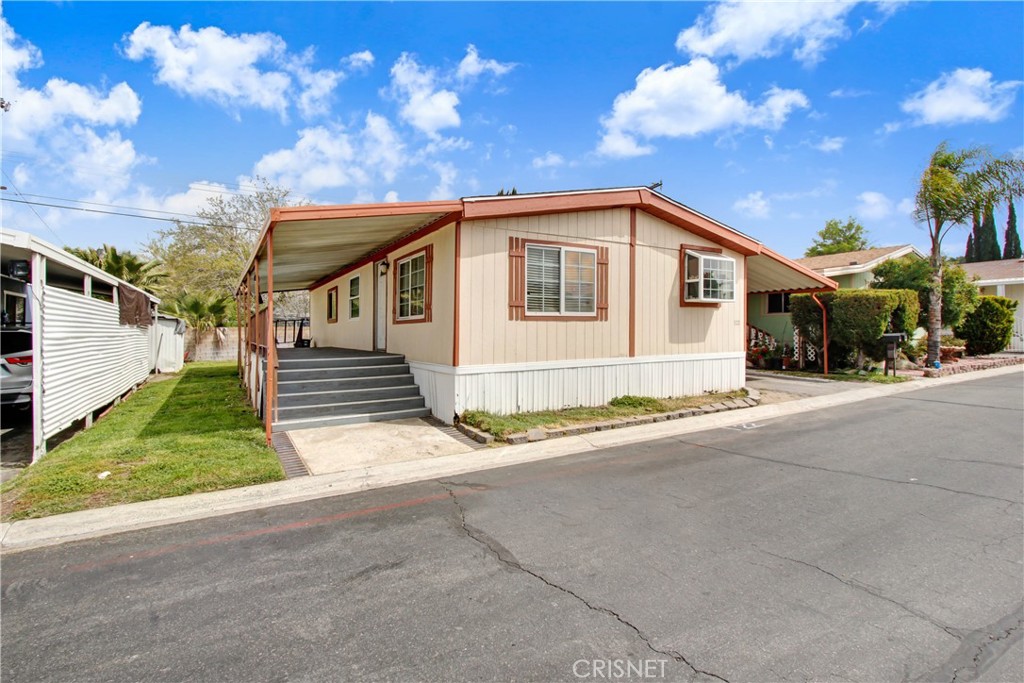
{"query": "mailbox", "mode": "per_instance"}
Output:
(892, 341)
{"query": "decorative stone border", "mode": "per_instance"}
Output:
(969, 366)
(752, 399)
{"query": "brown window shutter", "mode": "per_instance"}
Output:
(602, 283)
(516, 278)
(428, 295)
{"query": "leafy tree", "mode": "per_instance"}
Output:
(959, 294)
(1011, 239)
(953, 187)
(203, 311)
(131, 268)
(988, 328)
(988, 248)
(837, 238)
(208, 255)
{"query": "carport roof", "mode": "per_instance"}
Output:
(312, 243)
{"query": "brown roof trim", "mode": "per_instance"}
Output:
(693, 222)
(828, 284)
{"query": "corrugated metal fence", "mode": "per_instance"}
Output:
(89, 358)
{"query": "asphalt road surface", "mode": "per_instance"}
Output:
(879, 541)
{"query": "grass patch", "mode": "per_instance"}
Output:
(624, 406)
(851, 376)
(188, 434)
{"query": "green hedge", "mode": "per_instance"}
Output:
(987, 329)
(857, 319)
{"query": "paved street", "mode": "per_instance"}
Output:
(878, 541)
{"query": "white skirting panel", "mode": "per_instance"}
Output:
(527, 387)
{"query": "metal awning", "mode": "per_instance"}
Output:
(771, 272)
(311, 242)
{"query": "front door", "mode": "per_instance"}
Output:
(380, 309)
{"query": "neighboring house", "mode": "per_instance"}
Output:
(1003, 278)
(769, 313)
(509, 303)
(88, 337)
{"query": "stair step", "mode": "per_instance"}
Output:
(330, 421)
(382, 405)
(335, 396)
(339, 361)
(302, 386)
(288, 374)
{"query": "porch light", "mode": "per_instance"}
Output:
(383, 267)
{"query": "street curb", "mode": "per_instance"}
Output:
(86, 524)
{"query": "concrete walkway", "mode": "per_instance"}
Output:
(57, 529)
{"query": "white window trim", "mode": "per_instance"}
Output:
(702, 256)
(357, 297)
(561, 281)
(398, 287)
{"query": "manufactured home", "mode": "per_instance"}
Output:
(1003, 278)
(501, 303)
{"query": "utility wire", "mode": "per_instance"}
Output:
(110, 206)
(120, 213)
(62, 243)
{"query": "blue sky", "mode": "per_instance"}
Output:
(771, 117)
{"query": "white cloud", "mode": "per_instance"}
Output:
(391, 197)
(830, 144)
(749, 30)
(472, 66)
(769, 142)
(329, 157)
(961, 96)
(823, 189)
(873, 205)
(360, 61)
(548, 160)
(101, 163)
(754, 205)
(687, 101)
(425, 105)
(848, 93)
(906, 206)
(34, 112)
(447, 174)
(247, 70)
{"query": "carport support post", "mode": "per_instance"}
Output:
(38, 283)
(824, 330)
(271, 341)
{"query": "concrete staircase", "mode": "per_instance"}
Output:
(323, 387)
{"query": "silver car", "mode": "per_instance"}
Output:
(16, 367)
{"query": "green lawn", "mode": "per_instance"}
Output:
(850, 376)
(626, 406)
(187, 434)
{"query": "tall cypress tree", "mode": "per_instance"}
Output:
(1011, 239)
(978, 238)
(989, 250)
(969, 254)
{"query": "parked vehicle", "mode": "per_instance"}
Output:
(16, 342)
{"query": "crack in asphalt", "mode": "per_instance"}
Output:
(980, 649)
(852, 474)
(984, 462)
(870, 590)
(954, 403)
(504, 556)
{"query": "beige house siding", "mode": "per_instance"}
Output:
(487, 336)
(663, 327)
(349, 333)
(429, 342)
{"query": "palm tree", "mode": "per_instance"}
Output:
(125, 265)
(203, 311)
(956, 184)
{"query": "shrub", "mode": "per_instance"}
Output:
(987, 329)
(857, 318)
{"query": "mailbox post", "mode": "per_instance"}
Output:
(892, 344)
